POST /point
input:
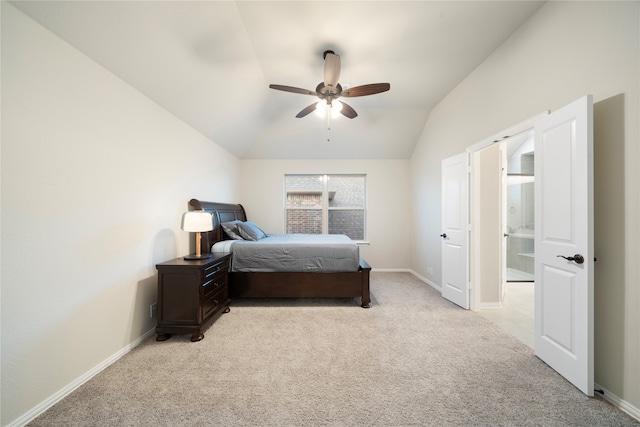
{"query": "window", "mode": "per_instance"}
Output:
(325, 204)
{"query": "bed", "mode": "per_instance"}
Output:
(331, 283)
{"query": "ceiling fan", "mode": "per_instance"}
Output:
(330, 90)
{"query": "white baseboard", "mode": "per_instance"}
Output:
(490, 305)
(427, 281)
(408, 270)
(623, 405)
(32, 414)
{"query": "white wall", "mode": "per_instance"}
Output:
(566, 50)
(487, 170)
(94, 179)
(262, 195)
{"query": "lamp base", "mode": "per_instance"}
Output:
(193, 257)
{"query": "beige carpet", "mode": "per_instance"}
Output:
(411, 359)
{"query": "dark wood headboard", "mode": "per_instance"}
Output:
(220, 212)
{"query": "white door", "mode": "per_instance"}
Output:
(564, 242)
(503, 220)
(455, 204)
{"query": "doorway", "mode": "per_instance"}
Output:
(506, 280)
(503, 199)
(517, 306)
(519, 208)
(563, 297)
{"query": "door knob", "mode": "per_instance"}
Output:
(506, 234)
(443, 235)
(577, 258)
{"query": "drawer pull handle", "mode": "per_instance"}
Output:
(214, 272)
(215, 301)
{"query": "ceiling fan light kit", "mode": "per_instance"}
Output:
(330, 90)
(323, 107)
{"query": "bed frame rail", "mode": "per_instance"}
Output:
(350, 284)
(303, 284)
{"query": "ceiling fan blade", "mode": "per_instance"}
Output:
(364, 90)
(331, 69)
(307, 110)
(348, 111)
(293, 89)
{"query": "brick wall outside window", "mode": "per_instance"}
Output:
(347, 222)
(346, 204)
(304, 222)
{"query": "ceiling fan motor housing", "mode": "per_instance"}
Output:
(328, 93)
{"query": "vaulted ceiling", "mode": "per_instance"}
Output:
(210, 63)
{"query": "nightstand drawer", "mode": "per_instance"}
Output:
(215, 269)
(211, 304)
(213, 285)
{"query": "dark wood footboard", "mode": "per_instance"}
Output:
(303, 284)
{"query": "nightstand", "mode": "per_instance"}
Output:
(191, 295)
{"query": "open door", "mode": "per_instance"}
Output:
(564, 258)
(503, 220)
(455, 206)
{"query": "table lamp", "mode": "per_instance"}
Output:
(197, 221)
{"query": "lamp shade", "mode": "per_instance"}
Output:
(197, 221)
